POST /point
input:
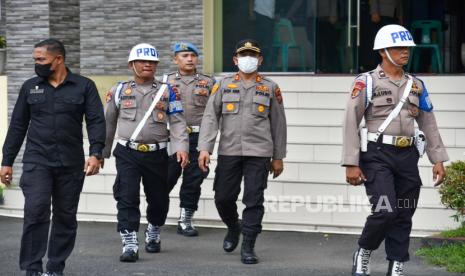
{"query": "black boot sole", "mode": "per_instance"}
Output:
(249, 261)
(187, 234)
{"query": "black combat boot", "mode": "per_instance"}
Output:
(396, 268)
(130, 246)
(247, 250)
(185, 226)
(152, 239)
(33, 273)
(231, 240)
(361, 262)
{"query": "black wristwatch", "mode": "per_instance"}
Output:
(97, 155)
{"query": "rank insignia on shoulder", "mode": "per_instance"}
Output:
(215, 88)
(258, 78)
(109, 96)
(359, 85)
(277, 94)
(415, 89)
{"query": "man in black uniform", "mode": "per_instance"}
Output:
(50, 108)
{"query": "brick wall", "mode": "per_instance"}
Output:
(64, 25)
(97, 34)
(110, 28)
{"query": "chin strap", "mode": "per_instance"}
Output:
(389, 57)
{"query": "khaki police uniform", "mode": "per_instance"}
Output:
(390, 164)
(147, 157)
(251, 119)
(194, 91)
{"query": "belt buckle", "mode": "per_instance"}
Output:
(402, 141)
(189, 129)
(143, 147)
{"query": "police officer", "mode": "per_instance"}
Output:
(50, 109)
(194, 89)
(388, 165)
(248, 109)
(141, 108)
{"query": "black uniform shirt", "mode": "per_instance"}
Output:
(52, 118)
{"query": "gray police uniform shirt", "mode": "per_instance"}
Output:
(386, 95)
(194, 91)
(250, 117)
(133, 104)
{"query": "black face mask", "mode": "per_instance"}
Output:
(43, 70)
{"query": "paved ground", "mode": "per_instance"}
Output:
(281, 253)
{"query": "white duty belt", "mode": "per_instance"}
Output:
(398, 141)
(193, 129)
(141, 146)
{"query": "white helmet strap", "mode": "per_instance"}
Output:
(390, 58)
(134, 68)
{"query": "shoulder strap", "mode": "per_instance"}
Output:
(119, 88)
(369, 89)
(149, 111)
(397, 109)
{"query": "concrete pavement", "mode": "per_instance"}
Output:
(98, 247)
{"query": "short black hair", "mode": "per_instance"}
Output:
(53, 45)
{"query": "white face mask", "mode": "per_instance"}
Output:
(247, 64)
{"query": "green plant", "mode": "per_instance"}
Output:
(452, 191)
(2, 42)
(454, 233)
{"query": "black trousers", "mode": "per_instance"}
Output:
(393, 185)
(43, 186)
(132, 166)
(192, 176)
(227, 186)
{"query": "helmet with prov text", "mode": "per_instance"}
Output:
(143, 51)
(393, 36)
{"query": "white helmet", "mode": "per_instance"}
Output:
(143, 51)
(393, 36)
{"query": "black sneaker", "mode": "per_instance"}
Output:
(129, 256)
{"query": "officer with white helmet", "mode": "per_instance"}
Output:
(383, 154)
(141, 109)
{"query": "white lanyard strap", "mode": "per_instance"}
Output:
(397, 109)
(150, 110)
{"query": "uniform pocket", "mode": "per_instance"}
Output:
(28, 168)
(200, 97)
(36, 98)
(36, 101)
(128, 110)
(159, 116)
(68, 104)
(261, 106)
(413, 106)
(231, 103)
(382, 106)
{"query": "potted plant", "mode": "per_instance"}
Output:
(2, 53)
